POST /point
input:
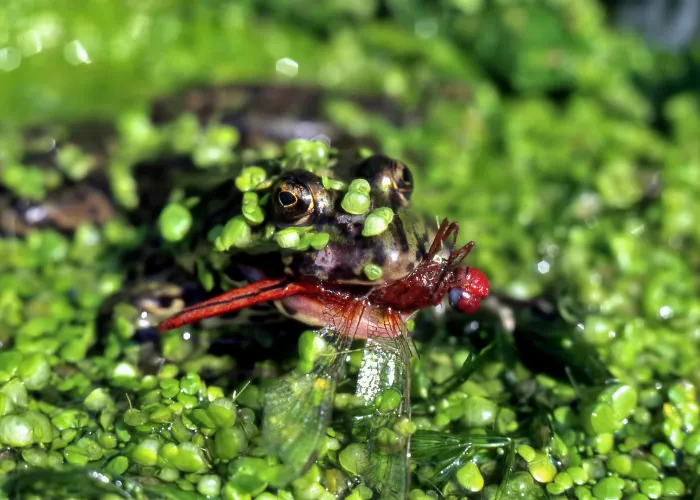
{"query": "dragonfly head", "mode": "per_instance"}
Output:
(469, 288)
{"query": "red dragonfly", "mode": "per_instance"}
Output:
(297, 411)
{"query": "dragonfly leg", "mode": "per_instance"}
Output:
(444, 231)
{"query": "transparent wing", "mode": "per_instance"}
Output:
(297, 410)
(383, 381)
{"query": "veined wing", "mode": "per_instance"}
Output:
(384, 382)
(298, 409)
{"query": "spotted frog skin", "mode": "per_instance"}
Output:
(298, 199)
(311, 201)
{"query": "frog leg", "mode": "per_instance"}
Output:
(240, 298)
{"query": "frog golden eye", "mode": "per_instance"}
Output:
(294, 200)
(287, 199)
(390, 179)
(403, 178)
(298, 197)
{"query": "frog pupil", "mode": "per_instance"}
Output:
(287, 199)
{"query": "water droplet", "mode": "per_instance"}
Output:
(471, 327)
(34, 215)
(543, 267)
(75, 53)
(665, 312)
(10, 58)
(30, 43)
(49, 29)
(287, 67)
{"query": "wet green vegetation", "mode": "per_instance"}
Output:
(551, 137)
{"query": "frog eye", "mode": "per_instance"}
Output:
(294, 200)
(297, 198)
(287, 199)
(390, 178)
(403, 178)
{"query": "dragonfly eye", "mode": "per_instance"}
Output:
(464, 301)
(297, 197)
(389, 177)
(472, 288)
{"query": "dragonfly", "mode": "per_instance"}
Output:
(298, 409)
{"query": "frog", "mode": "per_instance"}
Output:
(332, 247)
(331, 240)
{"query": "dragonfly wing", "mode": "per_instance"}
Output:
(383, 381)
(297, 409)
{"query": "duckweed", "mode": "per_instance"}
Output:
(355, 203)
(479, 412)
(470, 478)
(16, 431)
(319, 241)
(215, 147)
(236, 233)
(542, 468)
(250, 178)
(377, 221)
(333, 184)
(372, 271)
(309, 154)
(673, 487)
(353, 458)
(251, 209)
(174, 222)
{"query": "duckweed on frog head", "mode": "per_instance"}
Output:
(494, 160)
